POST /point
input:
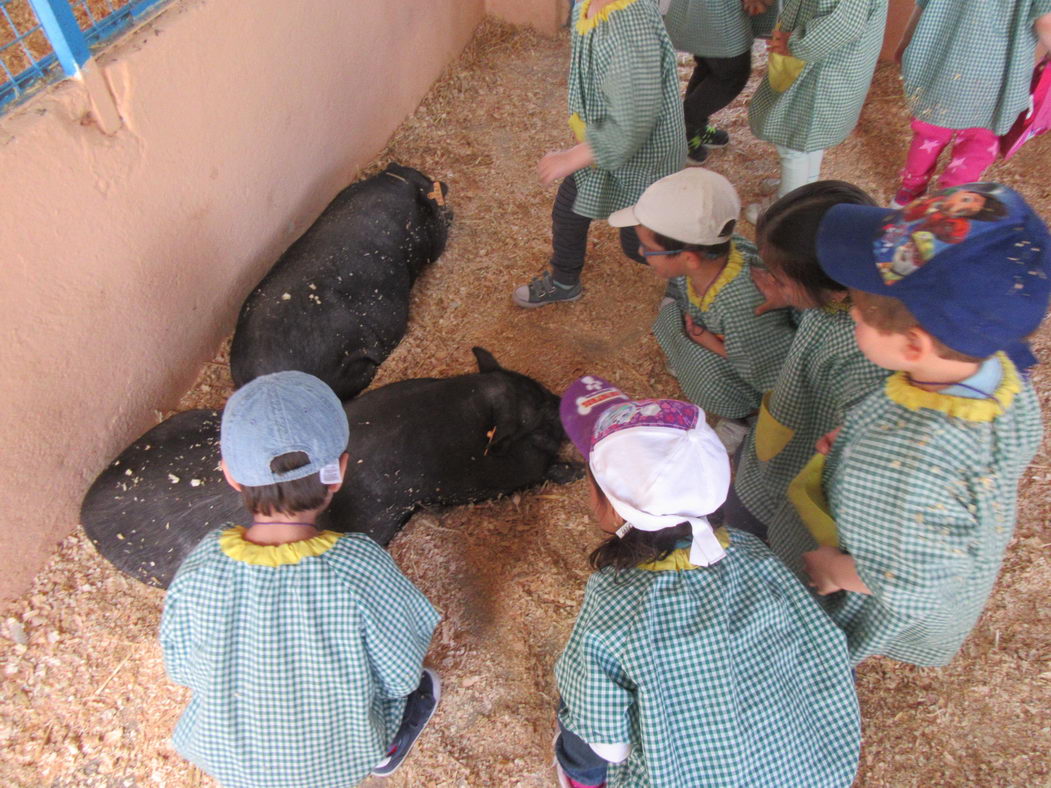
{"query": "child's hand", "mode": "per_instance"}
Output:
(765, 283)
(831, 570)
(564, 162)
(824, 443)
(754, 7)
(699, 335)
(778, 43)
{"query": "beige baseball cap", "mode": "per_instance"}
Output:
(692, 206)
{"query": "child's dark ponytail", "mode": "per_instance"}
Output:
(787, 234)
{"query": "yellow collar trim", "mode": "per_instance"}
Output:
(585, 25)
(679, 560)
(900, 390)
(734, 266)
(233, 543)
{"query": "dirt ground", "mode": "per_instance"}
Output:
(85, 701)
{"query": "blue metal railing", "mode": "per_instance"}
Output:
(42, 40)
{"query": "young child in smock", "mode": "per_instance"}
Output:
(697, 659)
(724, 355)
(719, 34)
(820, 65)
(625, 112)
(303, 649)
(966, 68)
(823, 374)
(922, 480)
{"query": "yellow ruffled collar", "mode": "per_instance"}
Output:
(585, 25)
(233, 543)
(900, 390)
(679, 560)
(734, 266)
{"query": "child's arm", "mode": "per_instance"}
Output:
(1042, 27)
(701, 336)
(820, 37)
(831, 570)
(561, 163)
(906, 34)
(176, 637)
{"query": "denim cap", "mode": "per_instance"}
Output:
(970, 262)
(281, 413)
(657, 460)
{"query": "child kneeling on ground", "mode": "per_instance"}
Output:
(303, 648)
(697, 658)
(922, 480)
(724, 355)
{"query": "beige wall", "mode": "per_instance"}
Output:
(125, 257)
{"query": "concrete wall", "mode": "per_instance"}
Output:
(125, 257)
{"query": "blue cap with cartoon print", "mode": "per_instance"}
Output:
(971, 263)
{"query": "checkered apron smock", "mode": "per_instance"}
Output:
(823, 375)
(624, 88)
(756, 346)
(925, 503)
(709, 28)
(722, 676)
(969, 64)
(839, 40)
(299, 672)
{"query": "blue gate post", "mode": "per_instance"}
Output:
(71, 49)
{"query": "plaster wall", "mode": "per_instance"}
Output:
(125, 257)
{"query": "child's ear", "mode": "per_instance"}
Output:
(693, 260)
(919, 345)
(229, 478)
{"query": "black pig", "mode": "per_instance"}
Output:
(336, 303)
(421, 441)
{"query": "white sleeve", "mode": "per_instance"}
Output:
(614, 753)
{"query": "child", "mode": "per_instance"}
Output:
(625, 113)
(303, 648)
(966, 68)
(697, 659)
(922, 480)
(719, 36)
(723, 354)
(822, 375)
(819, 70)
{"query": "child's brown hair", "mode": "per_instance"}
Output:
(298, 495)
(890, 316)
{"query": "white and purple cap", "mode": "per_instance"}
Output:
(657, 460)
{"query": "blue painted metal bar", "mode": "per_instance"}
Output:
(71, 48)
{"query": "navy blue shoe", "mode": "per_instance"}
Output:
(419, 708)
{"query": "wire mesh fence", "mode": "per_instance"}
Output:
(29, 56)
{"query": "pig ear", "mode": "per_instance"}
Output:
(486, 362)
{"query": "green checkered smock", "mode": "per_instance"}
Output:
(624, 89)
(299, 671)
(924, 501)
(840, 41)
(969, 64)
(709, 28)
(729, 387)
(722, 676)
(823, 375)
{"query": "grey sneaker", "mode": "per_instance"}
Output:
(543, 291)
(419, 707)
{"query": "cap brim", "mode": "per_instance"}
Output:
(625, 217)
(845, 248)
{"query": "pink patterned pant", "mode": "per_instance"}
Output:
(973, 152)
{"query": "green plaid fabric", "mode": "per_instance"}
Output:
(624, 85)
(840, 41)
(925, 504)
(728, 387)
(729, 675)
(823, 375)
(299, 672)
(969, 63)
(709, 28)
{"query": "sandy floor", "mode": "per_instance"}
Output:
(85, 701)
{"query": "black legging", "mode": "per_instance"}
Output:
(716, 81)
(569, 236)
